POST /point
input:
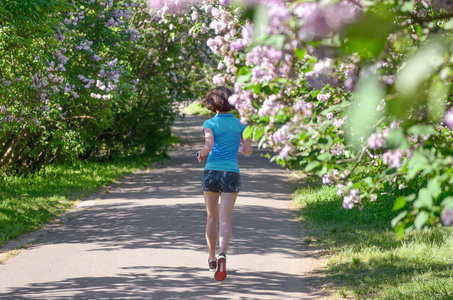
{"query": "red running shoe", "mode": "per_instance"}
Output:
(221, 272)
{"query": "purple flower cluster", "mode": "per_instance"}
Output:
(349, 201)
(393, 158)
(449, 118)
(447, 216)
(319, 22)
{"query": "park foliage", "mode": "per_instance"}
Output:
(91, 79)
(357, 92)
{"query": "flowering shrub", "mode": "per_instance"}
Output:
(357, 93)
(91, 78)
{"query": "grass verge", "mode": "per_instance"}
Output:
(365, 258)
(197, 108)
(29, 202)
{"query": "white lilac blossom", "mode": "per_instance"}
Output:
(96, 96)
(100, 85)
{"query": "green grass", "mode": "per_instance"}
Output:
(365, 258)
(29, 202)
(197, 108)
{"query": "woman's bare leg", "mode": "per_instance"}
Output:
(211, 200)
(226, 209)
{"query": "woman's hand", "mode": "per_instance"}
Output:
(246, 149)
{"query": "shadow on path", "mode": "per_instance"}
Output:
(145, 240)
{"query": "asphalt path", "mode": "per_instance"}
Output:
(145, 239)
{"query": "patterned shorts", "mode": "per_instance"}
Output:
(221, 181)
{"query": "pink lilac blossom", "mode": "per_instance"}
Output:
(447, 216)
(238, 45)
(337, 150)
(352, 199)
(393, 158)
(281, 135)
(284, 153)
(323, 97)
(224, 2)
(376, 141)
(270, 106)
(449, 118)
(327, 179)
(303, 107)
(319, 21)
(279, 16)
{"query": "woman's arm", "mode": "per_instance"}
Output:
(246, 147)
(208, 144)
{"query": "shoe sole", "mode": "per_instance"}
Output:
(221, 273)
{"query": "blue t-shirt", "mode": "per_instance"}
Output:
(227, 131)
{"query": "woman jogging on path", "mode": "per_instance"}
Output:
(223, 136)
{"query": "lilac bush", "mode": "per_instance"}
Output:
(98, 79)
(332, 101)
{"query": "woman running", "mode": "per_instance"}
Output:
(223, 137)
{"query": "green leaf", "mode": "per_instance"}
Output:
(276, 40)
(247, 132)
(368, 181)
(312, 166)
(418, 68)
(257, 133)
(325, 142)
(425, 199)
(398, 218)
(363, 114)
(244, 78)
(399, 230)
(448, 201)
(368, 36)
(300, 53)
(421, 219)
(244, 70)
(260, 21)
(397, 139)
(407, 6)
(422, 130)
(434, 187)
(417, 163)
(326, 156)
(400, 202)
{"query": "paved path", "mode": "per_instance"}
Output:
(145, 240)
